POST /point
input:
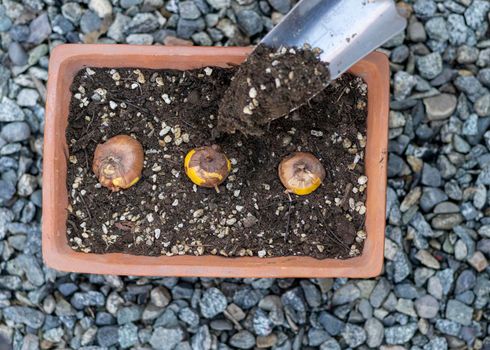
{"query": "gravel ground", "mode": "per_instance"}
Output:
(434, 292)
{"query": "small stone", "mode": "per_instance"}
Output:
(17, 54)
(27, 97)
(482, 105)
(396, 119)
(446, 221)
(470, 125)
(166, 338)
(429, 65)
(345, 294)
(316, 336)
(242, 340)
(431, 176)
(262, 325)
(459, 312)
(475, 13)
(431, 197)
(282, 6)
(189, 10)
(440, 107)
(160, 296)
(457, 29)
(143, 23)
(26, 185)
(400, 54)
(424, 8)
(312, 294)
(427, 306)
(102, 8)
(416, 32)
(448, 327)
(72, 11)
(403, 83)
(189, 316)
(427, 259)
(40, 29)
(375, 332)
(24, 315)
(467, 54)
(400, 334)
(436, 343)
(250, 22)
(436, 29)
(468, 84)
(187, 27)
(15, 132)
(10, 111)
(90, 22)
(212, 303)
(107, 336)
(117, 29)
(128, 335)
(478, 261)
(380, 292)
(219, 4)
(331, 324)
(129, 314)
(354, 335)
(139, 39)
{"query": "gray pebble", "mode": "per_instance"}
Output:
(243, 340)
(429, 65)
(189, 10)
(212, 302)
(250, 22)
(459, 312)
(40, 29)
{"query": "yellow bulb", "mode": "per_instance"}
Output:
(301, 173)
(207, 166)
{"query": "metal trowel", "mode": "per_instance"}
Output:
(345, 30)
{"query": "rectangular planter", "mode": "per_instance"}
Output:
(67, 60)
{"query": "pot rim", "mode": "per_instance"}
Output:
(67, 59)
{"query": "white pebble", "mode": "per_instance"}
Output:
(362, 180)
(166, 99)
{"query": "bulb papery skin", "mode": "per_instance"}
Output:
(118, 162)
(301, 173)
(207, 166)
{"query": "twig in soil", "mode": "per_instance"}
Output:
(86, 158)
(188, 124)
(348, 188)
(85, 206)
(331, 232)
(288, 217)
(129, 104)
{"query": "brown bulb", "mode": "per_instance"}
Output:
(301, 173)
(118, 162)
(207, 166)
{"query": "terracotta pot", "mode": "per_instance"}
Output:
(67, 60)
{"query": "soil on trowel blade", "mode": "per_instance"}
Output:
(268, 85)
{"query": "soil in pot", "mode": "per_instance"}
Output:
(171, 112)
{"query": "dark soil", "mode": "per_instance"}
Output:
(268, 85)
(171, 112)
